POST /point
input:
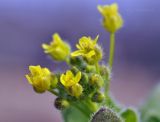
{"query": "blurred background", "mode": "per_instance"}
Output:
(26, 24)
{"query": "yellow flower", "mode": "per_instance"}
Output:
(69, 79)
(89, 49)
(58, 49)
(70, 82)
(112, 20)
(39, 78)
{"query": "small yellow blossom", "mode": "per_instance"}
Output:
(89, 49)
(58, 49)
(70, 82)
(112, 20)
(76, 90)
(39, 78)
(69, 79)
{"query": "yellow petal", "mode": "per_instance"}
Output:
(45, 46)
(29, 79)
(90, 54)
(114, 7)
(77, 53)
(62, 79)
(69, 74)
(78, 46)
(95, 40)
(46, 72)
(78, 77)
(35, 69)
(56, 38)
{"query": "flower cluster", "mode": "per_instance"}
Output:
(85, 85)
(83, 81)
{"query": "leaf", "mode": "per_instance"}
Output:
(150, 111)
(129, 115)
(72, 114)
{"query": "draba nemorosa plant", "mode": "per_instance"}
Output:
(83, 90)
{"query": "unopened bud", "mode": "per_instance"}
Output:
(96, 80)
(54, 81)
(61, 103)
(75, 90)
(105, 71)
(78, 62)
(98, 97)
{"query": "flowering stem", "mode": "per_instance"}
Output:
(111, 58)
(112, 48)
(53, 92)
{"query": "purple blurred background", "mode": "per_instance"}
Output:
(26, 24)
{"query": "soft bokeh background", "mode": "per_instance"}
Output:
(26, 24)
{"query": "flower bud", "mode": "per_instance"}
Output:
(74, 70)
(112, 20)
(90, 68)
(75, 90)
(39, 78)
(98, 97)
(54, 81)
(96, 80)
(105, 71)
(84, 79)
(78, 62)
(58, 49)
(61, 103)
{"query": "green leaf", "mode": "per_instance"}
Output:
(129, 115)
(150, 111)
(72, 114)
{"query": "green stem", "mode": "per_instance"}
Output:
(111, 58)
(112, 48)
(53, 92)
(109, 101)
(82, 110)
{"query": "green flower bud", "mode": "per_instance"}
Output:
(98, 97)
(54, 81)
(84, 79)
(78, 62)
(96, 80)
(105, 71)
(61, 103)
(90, 68)
(75, 90)
(75, 70)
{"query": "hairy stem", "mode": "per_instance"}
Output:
(112, 49)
